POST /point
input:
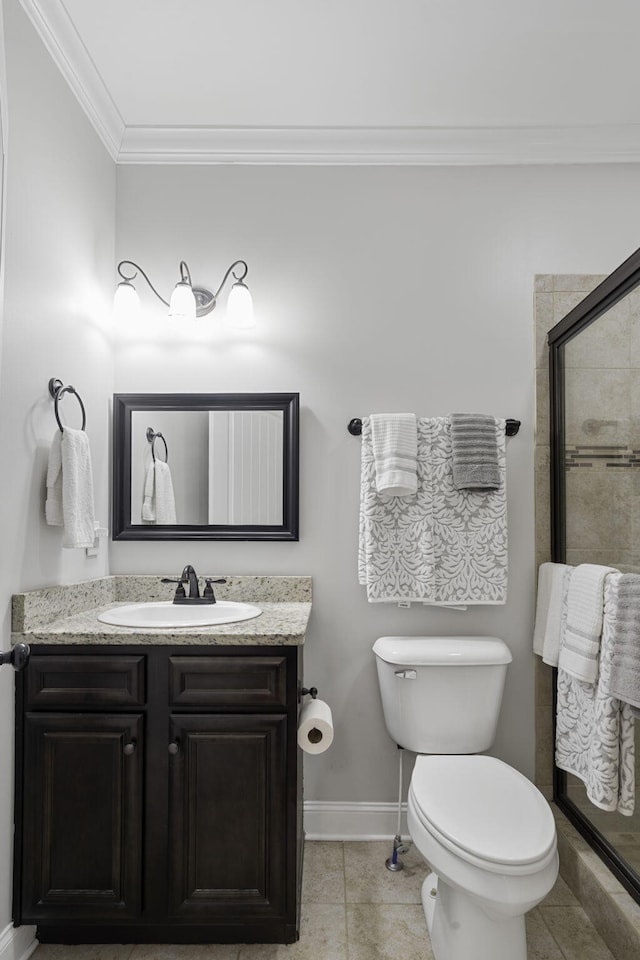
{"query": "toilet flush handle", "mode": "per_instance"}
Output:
(406, 674)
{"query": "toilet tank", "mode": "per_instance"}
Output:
(442, 694)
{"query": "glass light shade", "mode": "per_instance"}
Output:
(240, 306)
(183, 302)
(126, 303)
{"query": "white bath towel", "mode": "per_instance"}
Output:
(158, 503)
(443, 546)
(553, 581)
(594, 731)
(70, 488)
(394, 438)
(53, 502)
(585, 606)
(149, 494)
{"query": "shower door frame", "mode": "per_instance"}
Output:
(612, 289)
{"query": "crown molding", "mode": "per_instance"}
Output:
(382, 145)
(56, 30)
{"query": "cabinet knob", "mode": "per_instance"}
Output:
(129, 748)
(174, 747)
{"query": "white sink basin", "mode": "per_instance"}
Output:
(165, 614)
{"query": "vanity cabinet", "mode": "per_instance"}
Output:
(158, 794)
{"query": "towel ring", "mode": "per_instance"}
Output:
(57, 391)
(152, 436)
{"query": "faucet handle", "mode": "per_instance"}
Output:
(208, 590)
(179, 589)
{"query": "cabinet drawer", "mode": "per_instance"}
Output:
(227, 681)
(85, 681)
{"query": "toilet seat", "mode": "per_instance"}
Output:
(483, 810)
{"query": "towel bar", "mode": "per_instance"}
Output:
(355, 427)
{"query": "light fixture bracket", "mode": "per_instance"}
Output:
(205, 301)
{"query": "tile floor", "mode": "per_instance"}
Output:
(353, 908)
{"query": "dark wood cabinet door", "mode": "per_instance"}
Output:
(227, 817)
(81, 816)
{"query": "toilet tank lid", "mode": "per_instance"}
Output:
(442, 651)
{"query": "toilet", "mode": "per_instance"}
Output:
(485, 830)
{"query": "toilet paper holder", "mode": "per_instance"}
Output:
(312, 691)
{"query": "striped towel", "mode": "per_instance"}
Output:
(394, 437)
(474, 447)
(580, 648)
(624, 679)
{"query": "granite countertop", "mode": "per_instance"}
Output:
(279, 623)
(38, 616)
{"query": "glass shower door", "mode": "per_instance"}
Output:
(595, 377)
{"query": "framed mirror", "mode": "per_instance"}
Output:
(205, 466)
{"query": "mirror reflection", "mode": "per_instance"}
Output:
(206, 466)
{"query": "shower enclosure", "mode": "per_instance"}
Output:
(595, 494)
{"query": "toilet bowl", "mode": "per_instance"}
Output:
(489, 837)
(486, 831)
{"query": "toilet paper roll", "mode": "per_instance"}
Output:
(315, 727)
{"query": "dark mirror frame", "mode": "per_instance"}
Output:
(613, 288)
(124, 404)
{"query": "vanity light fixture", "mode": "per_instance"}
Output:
(187, 302)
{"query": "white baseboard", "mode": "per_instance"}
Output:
(330, 820)
(17, 943)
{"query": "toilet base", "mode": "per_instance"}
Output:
(460, 929)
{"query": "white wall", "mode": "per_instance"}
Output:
(376, 289)
(59, 253)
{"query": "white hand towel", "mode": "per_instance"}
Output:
(553, 582)
(394, 437)
(77, 489)
(149, 495)
(165, 499)
(585, 605)
(53, 502)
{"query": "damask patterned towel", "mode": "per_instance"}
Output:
(594, 731)
(441, 546)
